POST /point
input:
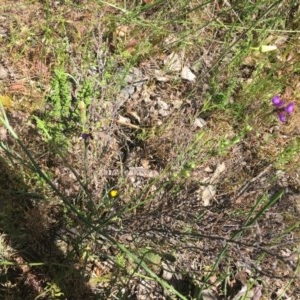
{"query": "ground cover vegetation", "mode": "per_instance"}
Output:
(149, 149)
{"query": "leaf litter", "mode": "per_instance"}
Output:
(193, 223)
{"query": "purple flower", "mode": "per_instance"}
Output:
(282, 116)
(86, 136)
(277, 101)
(290, 107)
(281, 108)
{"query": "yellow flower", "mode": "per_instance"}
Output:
(113, 193)
(6, 101)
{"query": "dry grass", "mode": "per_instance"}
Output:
(207, 176)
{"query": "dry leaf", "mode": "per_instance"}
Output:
(162, 104)
(122, 30)
(131, 44)
(209, 295)
(134, 115)
(208, 170)
(257, 293)
(208, 194)
(242, 293)
(3, 73)
(161, 76)
(125, 121)
(187, 74)
(145, 163)
(267, 48)
(3, 134)
(141, 172)
(219, 170)
(168, 271)
(199, 123)
(173, 62)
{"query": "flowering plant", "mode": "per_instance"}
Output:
(282, 109)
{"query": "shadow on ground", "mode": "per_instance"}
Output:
(29, 225)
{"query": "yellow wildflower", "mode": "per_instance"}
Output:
(113, 193)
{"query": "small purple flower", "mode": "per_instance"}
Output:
(282, 116)
(86, 136)
(281, 108)
(290, 107)
(277, 101)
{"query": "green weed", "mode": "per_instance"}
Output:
(64, 116)
(288, 154)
